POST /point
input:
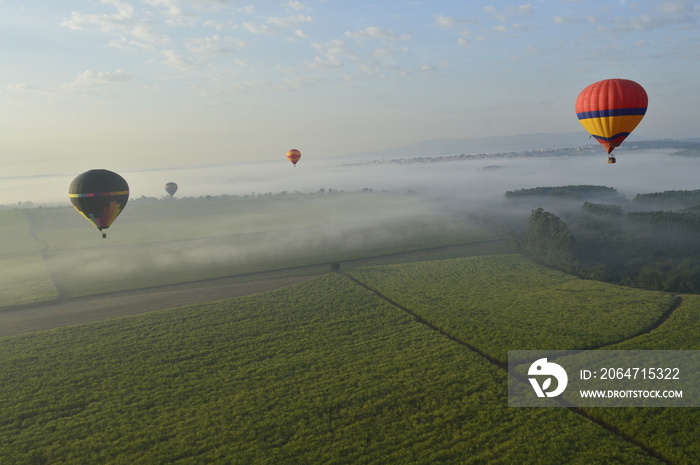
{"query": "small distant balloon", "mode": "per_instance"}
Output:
(171, 188)
(294, 155)
(610, 110)
(100, 196)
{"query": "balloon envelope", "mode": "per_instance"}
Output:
(100, 196)
(610, 110)
(294, 155)
(171, 188)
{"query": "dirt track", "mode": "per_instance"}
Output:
(101, 307)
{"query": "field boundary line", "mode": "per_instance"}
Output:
(42, 253)
(677, 301)
(427, 323)
(504, 366)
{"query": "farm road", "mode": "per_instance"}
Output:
(104, 306)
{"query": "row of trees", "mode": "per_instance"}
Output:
(656, 250)
(574, 192)
(667, 200)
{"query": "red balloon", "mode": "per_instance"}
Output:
(611, 109)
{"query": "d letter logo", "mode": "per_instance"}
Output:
(544, 368)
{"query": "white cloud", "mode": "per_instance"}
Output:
(378, 62)
(170, 31)
(175, 60)
(215, 24)
(506, 14)
(449, 23)
(176, 15)
(664, 14)
(125, 27)
(108, 23)
(146, 33)
(294, 5)
(446, 22)
(376, 32)
(214, 45)
(302, 82)
(289, 22)
(93, 80)
(257, 28)
(86, 82)
(331, 54)
(575, 19)
(276, 25)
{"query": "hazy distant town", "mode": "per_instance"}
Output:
(683, 148)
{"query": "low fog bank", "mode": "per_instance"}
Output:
(428, 205)
(637, 171)
(162, 242)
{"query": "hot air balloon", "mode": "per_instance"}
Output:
(100, 196)
(294, 155)
(171, 188)
(610, 110)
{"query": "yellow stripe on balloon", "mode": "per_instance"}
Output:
(611, 126)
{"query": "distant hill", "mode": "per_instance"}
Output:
(495, 144)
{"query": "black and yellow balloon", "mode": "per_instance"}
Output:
(100, 196)
(171, 188)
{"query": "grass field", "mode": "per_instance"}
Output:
(506, 303)
(509, 302)
(24, 277)
(329, 371)
(51, 252)
(672, 430)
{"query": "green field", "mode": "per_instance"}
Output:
(52, 252)
(335, 370)
(503, 303)
(24, 277)
(513, 303)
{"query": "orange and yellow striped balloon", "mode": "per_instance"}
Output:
(294, 155)
(610, 110)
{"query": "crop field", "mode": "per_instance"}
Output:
(54, 252)
(23, 276)
(673, 430)
(500, 304)
(336, 370)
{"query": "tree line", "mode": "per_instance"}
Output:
(622, 243)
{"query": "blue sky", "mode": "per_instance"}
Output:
(125, 84)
